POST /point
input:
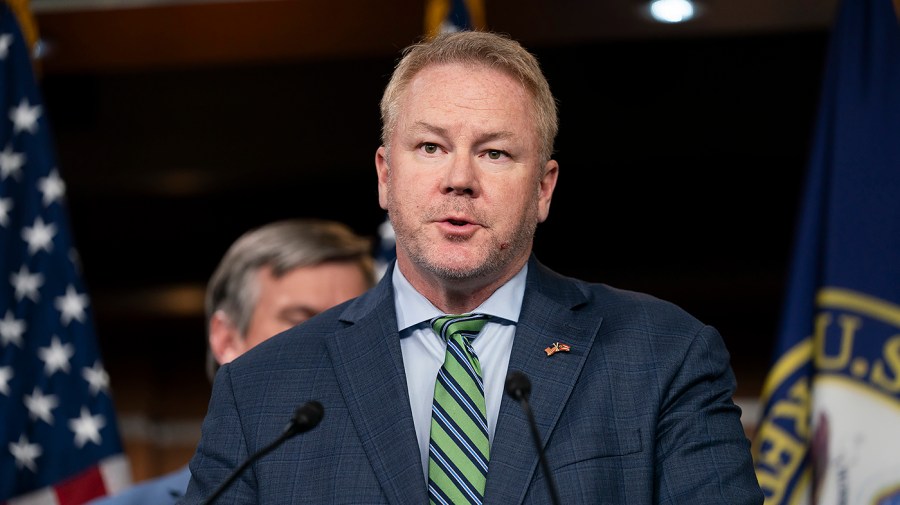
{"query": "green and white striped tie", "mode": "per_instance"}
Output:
(459, 450)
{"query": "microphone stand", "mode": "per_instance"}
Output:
(305, 418)
(519, 387)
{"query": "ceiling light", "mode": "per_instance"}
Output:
(672, 11)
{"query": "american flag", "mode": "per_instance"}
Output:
(59, 442)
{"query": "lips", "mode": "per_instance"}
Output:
(457, 225)
(457, 220)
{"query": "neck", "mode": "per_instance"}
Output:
(456, 295)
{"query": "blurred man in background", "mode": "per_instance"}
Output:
(272, 278)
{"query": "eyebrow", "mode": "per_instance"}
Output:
(423, 127)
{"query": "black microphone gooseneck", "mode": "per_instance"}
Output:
(519, 387)
(306, 417)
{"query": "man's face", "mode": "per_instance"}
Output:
(464, 184)
(298, 295)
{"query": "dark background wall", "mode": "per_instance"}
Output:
(682, 161)
(681, 164)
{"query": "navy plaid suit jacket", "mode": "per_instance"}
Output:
(639, 411)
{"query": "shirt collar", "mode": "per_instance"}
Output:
(412, 308)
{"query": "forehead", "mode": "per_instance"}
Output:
(467, 103)
(314, 280)
(463, 87)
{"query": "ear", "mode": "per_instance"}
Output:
(225, 341)
(382, 170)
(545, 189)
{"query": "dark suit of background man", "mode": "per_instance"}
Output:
(636, 406)
(271, 278)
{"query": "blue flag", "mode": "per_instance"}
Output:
(386, 250)
(59, 442)
(830, 431)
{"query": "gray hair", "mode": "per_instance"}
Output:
(281, 246)
(493, 50)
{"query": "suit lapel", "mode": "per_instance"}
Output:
(368, 365)
(369, 369)
(547, 316)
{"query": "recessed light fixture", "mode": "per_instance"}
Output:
(672, 11)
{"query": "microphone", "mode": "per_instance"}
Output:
(306, 417)
(519, 387)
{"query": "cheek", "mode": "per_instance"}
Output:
(383, 198)
(515, 197)
(410, 192)
(262, 329)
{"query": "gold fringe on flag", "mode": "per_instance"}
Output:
(27, 23)
(437, 11)
(22, 11)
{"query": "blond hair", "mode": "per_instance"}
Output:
(493, 50)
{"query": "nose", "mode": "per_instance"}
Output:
(461, 176)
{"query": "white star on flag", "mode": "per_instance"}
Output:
(25, 453)
(25, 117)
(6, 205)
(52, 187)
(39, 236)
(87, 427)
(98, 379)
(71, 306)
(26, 284)
(5, 41)
(56, 356)
(11, 163)
(11, 330)
(39, 405)
(6, 373)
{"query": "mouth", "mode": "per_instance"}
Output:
(458, 225)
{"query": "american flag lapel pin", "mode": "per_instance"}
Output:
(557, 347)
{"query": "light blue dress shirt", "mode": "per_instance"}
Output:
(165, 490)
(423, 351)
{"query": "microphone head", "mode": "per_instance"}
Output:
(306, 417)
(518, 386)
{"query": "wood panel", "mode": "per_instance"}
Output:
(191, 34)
(111, 35)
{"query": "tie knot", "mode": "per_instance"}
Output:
(465, 325)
